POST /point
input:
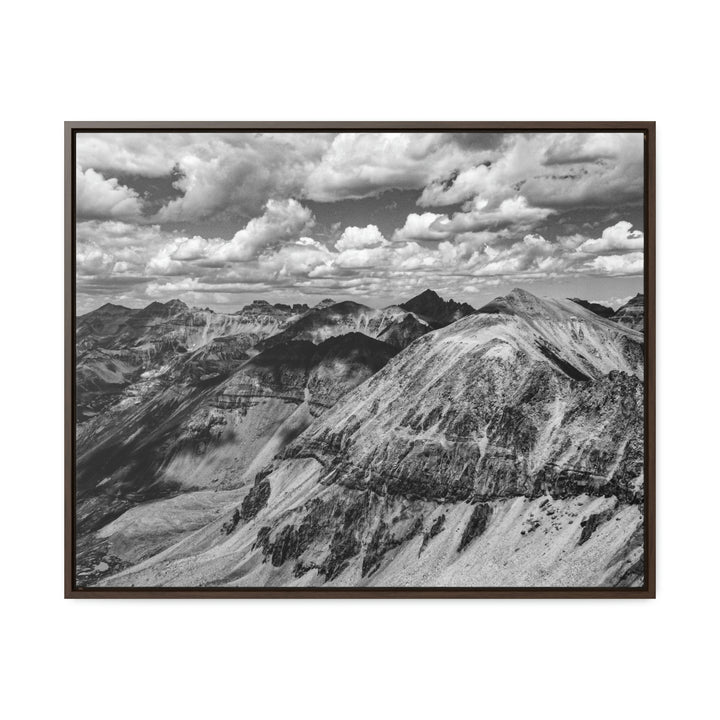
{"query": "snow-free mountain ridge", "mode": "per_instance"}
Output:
(421, 444)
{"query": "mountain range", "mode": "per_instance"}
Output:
(427, 443)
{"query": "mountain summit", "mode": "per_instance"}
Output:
(431, 307)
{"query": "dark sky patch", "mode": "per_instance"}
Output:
(154, 191)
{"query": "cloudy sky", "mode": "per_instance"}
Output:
(220, 219)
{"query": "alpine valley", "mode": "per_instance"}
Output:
(427, 443)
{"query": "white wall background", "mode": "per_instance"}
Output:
(359, 61)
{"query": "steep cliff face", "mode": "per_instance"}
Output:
(504, 449)
(632, 314)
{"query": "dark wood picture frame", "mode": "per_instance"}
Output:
(647, 591)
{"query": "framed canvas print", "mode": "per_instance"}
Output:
(360, 359)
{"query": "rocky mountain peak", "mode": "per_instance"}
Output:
(517, 300)
(429, 305)
(110, 309)
(171, 307)
(327, 302)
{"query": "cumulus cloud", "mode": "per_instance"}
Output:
(98, 197)
(273, 252)
(273, 243)
(232, 175)
(477, 215)
(281, 221)
(112, 248)
(194, 248)
(93, 261)
(367, 257)
(149, 154)
(620, 237)
(259, 212)
(354, 238)
(359, 165)
(294, 260)
(220, 175)
(629, 264)
(422, 227)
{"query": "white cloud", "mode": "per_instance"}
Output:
(507, 192)
(366, 257)
(93, 261)
(273, 251)
(163, 264)
(618, 237)
(421, 227)
(354, 238)
(232, 175)
(630, 264)
(194, 248)
(512, 212)
(228, 175)
(358, 165)
(97, 197)
(282, 221)
(293, 260)
(148, 154)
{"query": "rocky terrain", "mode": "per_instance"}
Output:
(117, 346)
(438, 312)
(421, 444)
(394, 325)
(632, 314)
(598, 308)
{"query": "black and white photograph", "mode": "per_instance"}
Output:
(314, 359)
(360, 360)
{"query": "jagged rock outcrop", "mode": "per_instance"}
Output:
(438, 312)
(280, 311)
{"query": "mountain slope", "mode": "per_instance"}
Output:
(632, 314)
(196, 427)
(504, 449)
(599, 309)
